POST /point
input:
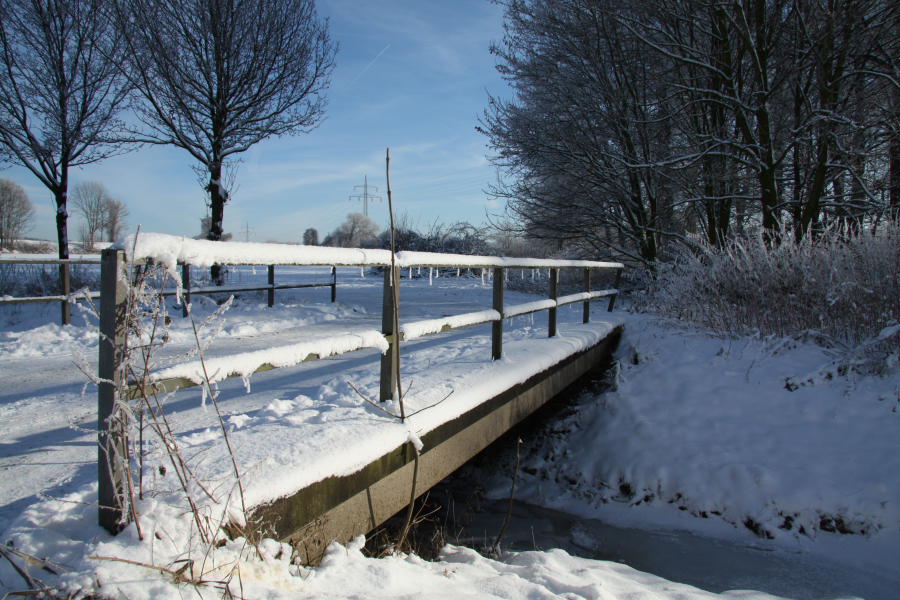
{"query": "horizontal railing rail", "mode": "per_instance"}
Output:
(113, 299)
(65, 296)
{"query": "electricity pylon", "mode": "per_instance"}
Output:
(365, 196)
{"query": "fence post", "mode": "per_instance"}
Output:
(554, 293)
(112, 446)
(497, 326)
(390, 360)
(586, 310)
(612, 299)
(185, 289)
(271, 291)
(334, 284)
(65, 288)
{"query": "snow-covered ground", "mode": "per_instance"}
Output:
(697, 426)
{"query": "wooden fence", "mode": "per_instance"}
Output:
(113, 314)
(66, 298)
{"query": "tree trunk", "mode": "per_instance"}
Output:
(217, 198)
(62, 240)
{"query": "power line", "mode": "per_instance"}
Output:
(365, 196)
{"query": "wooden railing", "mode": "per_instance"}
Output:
(113, 308)
(66, 298)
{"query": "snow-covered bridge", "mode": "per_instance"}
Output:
(309, 481)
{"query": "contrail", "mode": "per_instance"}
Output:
(368, 66)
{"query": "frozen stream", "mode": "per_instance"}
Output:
(708, 563)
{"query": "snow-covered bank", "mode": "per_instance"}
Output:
(703, 433)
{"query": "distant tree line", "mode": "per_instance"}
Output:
(359, 231)
(638, 123)
(213, 77)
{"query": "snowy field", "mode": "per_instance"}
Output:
(701, 434)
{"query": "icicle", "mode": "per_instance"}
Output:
(505, 275)
(203, 396)
(457, 271)
(532, 275)
(418, 271)
(246, 380)
(362, 272)
(482, 278)
(523, 274)
(409, 273)
(430, 275)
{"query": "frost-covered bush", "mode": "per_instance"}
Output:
(842, 292)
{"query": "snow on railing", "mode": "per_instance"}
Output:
(417, 329)
(172, 251)
(245, 364)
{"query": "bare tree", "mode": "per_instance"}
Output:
(114, 219)
(356, 231)
(218, 76)
(640, 121)
(60, 92)
(89, 200)
(582, 143)
(15, 213)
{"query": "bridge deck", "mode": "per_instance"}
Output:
(371, 473)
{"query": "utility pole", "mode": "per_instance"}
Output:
(247, 231)
(365, 196)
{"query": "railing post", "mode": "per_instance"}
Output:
(586, 310)
(185, 289)
(65, 288)
(497, 326)
(112, 445)
(390, 360)
(612, 299)
(271, 290)
(333, 284)
(554, 293)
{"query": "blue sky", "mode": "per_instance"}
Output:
(410, 75)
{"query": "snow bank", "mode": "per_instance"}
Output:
(125, 567)
(709, 427)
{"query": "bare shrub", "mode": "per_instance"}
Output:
(844, 292)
